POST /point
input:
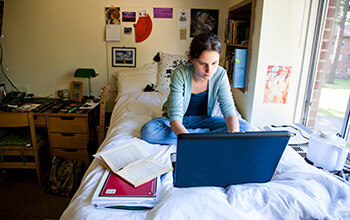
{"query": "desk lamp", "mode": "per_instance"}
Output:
(86, 73)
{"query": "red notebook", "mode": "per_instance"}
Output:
(116, 187)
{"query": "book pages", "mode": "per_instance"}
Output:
(121, 156)
(137, 175)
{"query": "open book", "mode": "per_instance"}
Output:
(133, 163)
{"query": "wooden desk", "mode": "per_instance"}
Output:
(69, 134)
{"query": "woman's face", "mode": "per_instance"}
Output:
(206, 65)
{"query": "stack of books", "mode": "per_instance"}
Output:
(131, 178)
(114, 192)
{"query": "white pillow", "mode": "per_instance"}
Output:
(167, 64)
(135, 80)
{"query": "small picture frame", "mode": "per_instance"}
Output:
(124, 56)
(76, 91)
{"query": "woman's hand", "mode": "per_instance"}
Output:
(178, 127)
(232, 123)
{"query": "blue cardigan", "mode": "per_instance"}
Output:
(181, 89)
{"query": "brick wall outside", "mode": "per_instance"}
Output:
(323, 64)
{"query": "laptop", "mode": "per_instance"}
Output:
(214, 159)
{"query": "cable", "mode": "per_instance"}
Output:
(2, 67)
(290, 126)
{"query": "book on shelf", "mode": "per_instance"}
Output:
(230, 56)
(133, 163)
(240, 67)
(236, 31)
(113, 192)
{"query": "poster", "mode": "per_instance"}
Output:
(183, 17)
(277, 84)
(112, 15)
(162, 13)
(128, 16)
(204, 21)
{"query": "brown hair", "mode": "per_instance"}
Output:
(202, 42)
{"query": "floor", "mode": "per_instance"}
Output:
(22, 198)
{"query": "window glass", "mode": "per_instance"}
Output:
(330, 94)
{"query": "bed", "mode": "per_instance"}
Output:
(296, 191)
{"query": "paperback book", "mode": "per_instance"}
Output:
(133, 163)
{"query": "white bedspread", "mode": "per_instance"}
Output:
(297, 190)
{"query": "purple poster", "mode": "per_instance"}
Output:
(162, 12)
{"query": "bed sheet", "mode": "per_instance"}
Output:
(296, 191)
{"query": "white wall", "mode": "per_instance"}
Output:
(279, 38)
(45, 41)
(281, 43)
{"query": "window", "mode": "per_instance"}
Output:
(328, 100)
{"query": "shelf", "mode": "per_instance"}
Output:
(238, 45)
(240, 26)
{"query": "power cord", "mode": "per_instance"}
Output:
(2, 67)
(290, 126)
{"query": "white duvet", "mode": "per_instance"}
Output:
(296, 191)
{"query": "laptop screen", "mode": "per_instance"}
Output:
(224, 159)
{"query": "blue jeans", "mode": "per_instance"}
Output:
(158, 130)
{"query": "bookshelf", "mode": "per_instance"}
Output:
(238, 35)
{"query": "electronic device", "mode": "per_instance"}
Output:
(13, 98)
(214, 159)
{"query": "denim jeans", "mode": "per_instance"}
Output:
(158, 130)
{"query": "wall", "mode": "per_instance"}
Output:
(280, 38)
(45, 41)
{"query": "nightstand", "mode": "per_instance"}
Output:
(70, 134)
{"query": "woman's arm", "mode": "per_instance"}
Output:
(232, 123)
(178, 128)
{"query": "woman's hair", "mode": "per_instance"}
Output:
(204, 41)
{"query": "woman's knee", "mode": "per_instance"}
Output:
(245, 126)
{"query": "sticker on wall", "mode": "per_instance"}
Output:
(128, 16)
(112, 15)
(143, 28)
(143, 13)
(183, 34)
(162, 13)
(204, 21)
(277, 84)
(183, 17)
(127, 30)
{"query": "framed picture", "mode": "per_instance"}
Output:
(76, 91)
(124, 56)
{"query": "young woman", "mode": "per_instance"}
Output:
(194, 89)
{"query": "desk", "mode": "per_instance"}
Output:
(69, 132)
